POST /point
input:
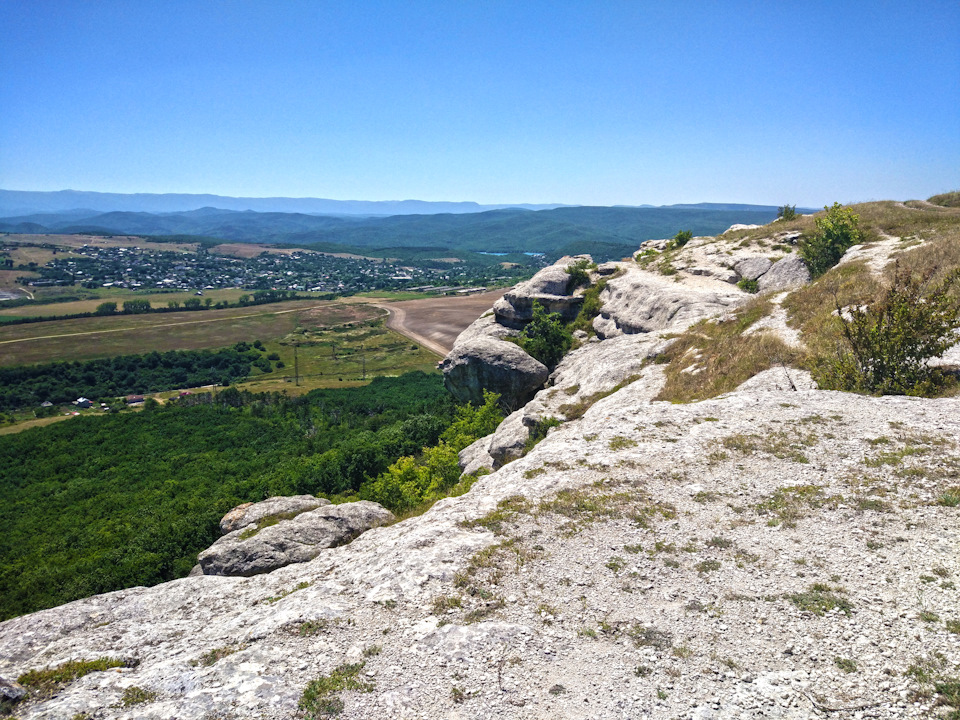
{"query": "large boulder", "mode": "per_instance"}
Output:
(549, 287)
(488, 363)
(254, 550)
(752, 267)
(785, 274)
(275, 507)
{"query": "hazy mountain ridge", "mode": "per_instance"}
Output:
(24, 202)
(607, 232)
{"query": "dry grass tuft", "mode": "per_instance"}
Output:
(714, 357)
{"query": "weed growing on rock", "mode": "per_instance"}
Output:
(622, 443)
(820, 598)
(708, 566)
(950, 498)
(845, 664)
(616, 563)
(47, 683)
(283, 594)
(719, 542)
(650, 637)
(137, 696)
(789, 504)
(539, 431)
(442, 603)
(312, 627)
(573, 411)
(320, 697)
(212, 656)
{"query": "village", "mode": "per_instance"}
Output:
(148, 269)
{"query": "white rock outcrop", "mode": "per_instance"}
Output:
(776, 552)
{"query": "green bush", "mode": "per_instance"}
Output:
(889, 341)
(837, 231)
(578, 274)
(750, 286)
(545, 338)
(680, 239)
(787, 212)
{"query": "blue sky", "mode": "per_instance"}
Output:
(573, 102)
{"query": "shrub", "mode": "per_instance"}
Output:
(837, 231)
(787, 212)
(578, 274)
(890, 341)
(545, 338)
(680, 239)
(750, 286)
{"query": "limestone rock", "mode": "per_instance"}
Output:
(486, 363)
(252, 513)
(476, 456)
(484, 326)
(508, 441)
(11, 693)
(779, 379)
(640, 301)
(548, 288)
(753, 267)
(721, 273)
(787, 273)
(297, 540)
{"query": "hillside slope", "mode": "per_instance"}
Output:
(766, 552)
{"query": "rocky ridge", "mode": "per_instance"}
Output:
(770, 553)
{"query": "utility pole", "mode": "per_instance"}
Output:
(296, 364)
(363, 357)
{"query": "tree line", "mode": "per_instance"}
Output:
(63, 382)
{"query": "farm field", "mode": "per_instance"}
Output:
(436, 321)
(76, 241)
(97, 337)
(118, 295)
(343, 343)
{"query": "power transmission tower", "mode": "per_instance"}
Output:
(296, 364)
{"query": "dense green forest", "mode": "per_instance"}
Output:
(96, 504)
(63, 382)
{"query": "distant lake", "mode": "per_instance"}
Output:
(500, 254)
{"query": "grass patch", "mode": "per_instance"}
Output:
(573, 411)
(622, 443)
(789, 504)
(321, 696)
(714, 356)
(212, 656)
(845, 664)
(47, 683)
(819, 599)
(284, 593)
(137, 696)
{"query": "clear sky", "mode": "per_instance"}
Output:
(585, 102)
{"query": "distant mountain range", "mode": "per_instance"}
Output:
(22, 202)
(604, 232)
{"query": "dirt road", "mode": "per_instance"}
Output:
(436, 322)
